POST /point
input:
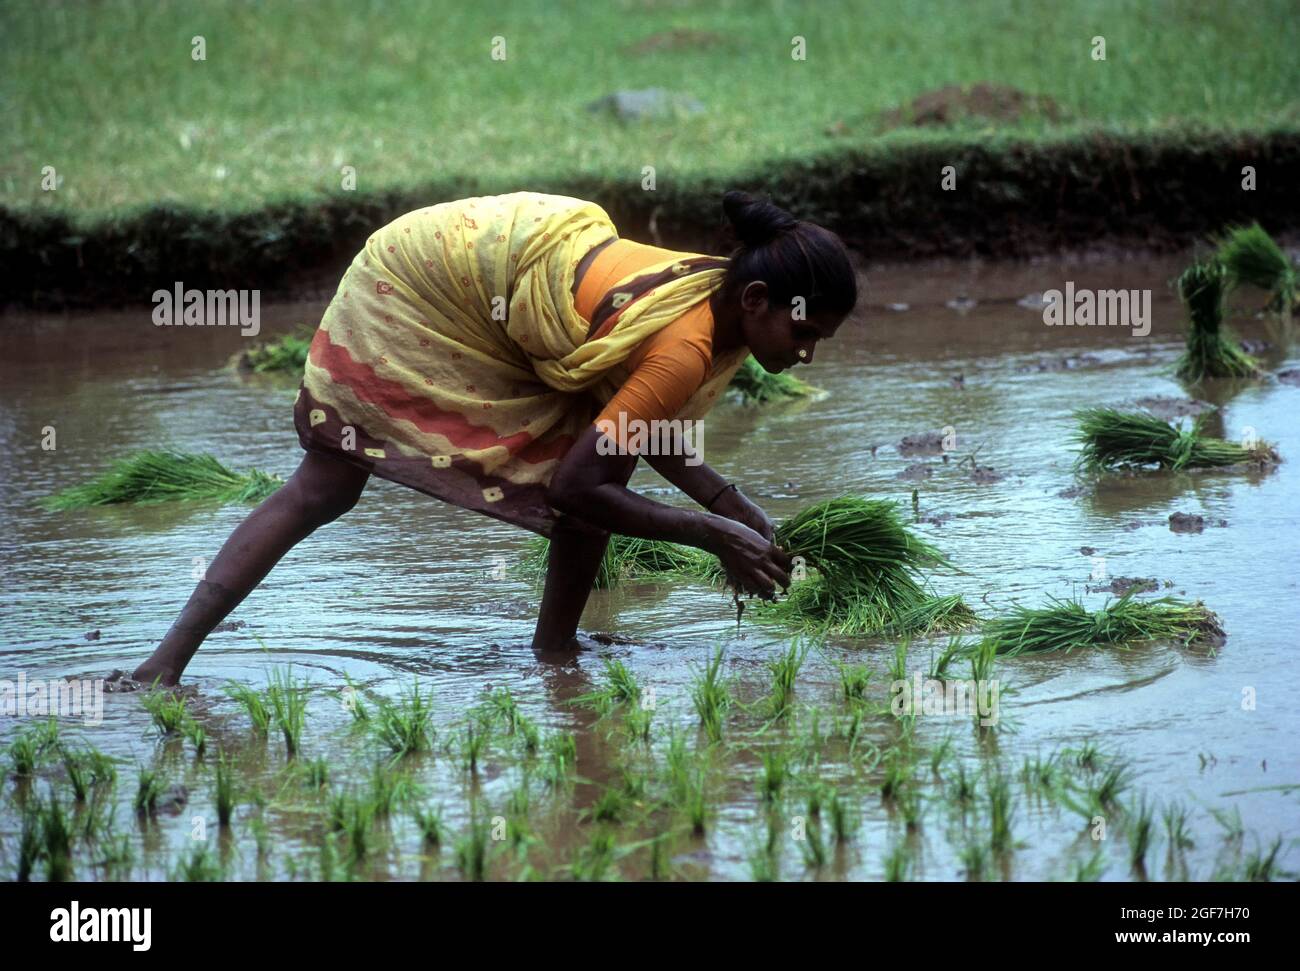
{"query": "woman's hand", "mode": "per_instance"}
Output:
(752, 563)
(736, 507)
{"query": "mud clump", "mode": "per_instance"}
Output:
(1169, 408)
(228, 625)
(1074, 492)
(955, 103)
(1181, 522)
(1290, 376)
(1087, 550)
(677, 39)
(985, 474)
(926, 443)
(1209, 631)
(1120, 586)
(916, 472)
(1066, 363)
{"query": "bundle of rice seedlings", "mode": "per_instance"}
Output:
(286, 353)
(1212, 352)
(1067, 624)
(165, 476)
(1251, 256)
(759, 386)
(867, 573)
(626, 558)
(1113, 439)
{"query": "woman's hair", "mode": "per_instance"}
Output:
(793, 257)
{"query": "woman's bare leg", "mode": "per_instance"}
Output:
(320, 491)
(571, 566)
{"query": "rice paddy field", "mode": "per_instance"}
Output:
(373, 711)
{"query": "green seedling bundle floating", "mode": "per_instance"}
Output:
(1212, 351)
(759, 386)
(1113, 439)
(285, 354)
(1065, 625)
(166, 476)
(1251, 256)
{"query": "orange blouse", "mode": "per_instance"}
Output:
(668, 366)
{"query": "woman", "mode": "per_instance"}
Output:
(473, 347)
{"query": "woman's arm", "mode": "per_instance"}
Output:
(589, 486)
(702, 484)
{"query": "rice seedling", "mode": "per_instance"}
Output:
(974, 859)
(898, 772)
(897, 669)
(1175, 820)
(30, 747)
(472, 849)
(939, 665)
(899, 864)
(55, 839)
(757, 385)
(197, 734)
(1262, 867)
(1086, 756)
(404, 727)
(87, 768)
(1211, 351)
(287, 353)
(939, 754)
(711, 696)
(764, 863)
(288, 705)
(253, 703)
(843, 825)
(812, 846)
(561, 756)
(1001, 811)
(1251, 256)
(149, 787)
(1040, 775)
(620, 687)
(855, 679)
(1231, 823)
(473, 744)
(785, 671)
(316, 773)
(431, 825)
(776, 769)
(167, 709)
(1111, 439)
(1066, 625)
(1140, 827)
(225, 783)
(354, 816)
(1105, 792)
(609, 807)
(962, 790)
(501, 703)
(908, 802)
(594, 861)
(166, 476)
(530, 737)
(1090, 870)
(637, 723)
(198, 866)
(389, 788)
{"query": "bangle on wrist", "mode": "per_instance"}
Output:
(729, 485)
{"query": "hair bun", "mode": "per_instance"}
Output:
(755, 221)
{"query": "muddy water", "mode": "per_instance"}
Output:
(406, 588)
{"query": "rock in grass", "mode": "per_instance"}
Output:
(759, 386)
(287, 353)
(1211, 351)
(1113, 440)
(1066, 625)
(166, 476)
(1251, 256)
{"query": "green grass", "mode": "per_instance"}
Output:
(1113, 440)
(265, 116)
(166, 476)
(1212, 351)
(711, 696)
(287, 701)
(404, 727)
(756, 385)
(254, 703)
(1067, 625)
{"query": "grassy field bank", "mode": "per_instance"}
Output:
(235, 163)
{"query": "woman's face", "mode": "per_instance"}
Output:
(774, 336)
